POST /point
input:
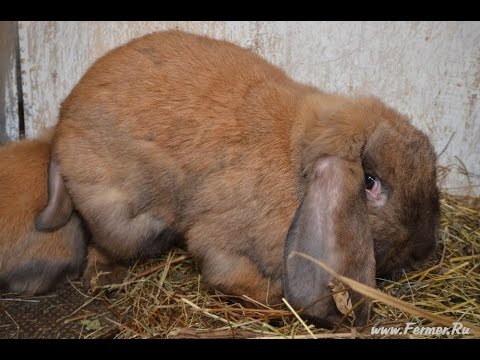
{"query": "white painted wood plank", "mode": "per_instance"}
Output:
(428, 70)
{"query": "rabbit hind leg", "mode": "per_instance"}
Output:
(118, 227)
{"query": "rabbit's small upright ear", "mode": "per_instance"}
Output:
(331, 224)
(59, 208)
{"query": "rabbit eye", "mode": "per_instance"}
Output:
(369, 181)
(375, 194)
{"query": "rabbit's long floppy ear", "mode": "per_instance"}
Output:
(59, 208)
(331, 224)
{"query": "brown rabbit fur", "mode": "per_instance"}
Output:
(31, 261)
(206, 139)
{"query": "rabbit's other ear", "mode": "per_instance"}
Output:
(331, 224)
(60, 207)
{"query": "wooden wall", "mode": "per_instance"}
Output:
(428, 70)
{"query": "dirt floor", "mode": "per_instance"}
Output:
(60, 314)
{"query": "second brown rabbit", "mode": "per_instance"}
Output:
(31, 261)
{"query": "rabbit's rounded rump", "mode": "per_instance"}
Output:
(32, 261)
(177, 134)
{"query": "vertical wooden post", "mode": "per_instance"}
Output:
(9, 87)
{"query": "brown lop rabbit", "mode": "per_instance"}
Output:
(180, 133)
(31, 261)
